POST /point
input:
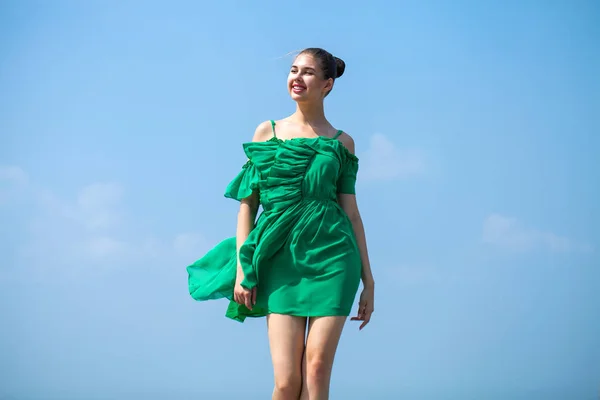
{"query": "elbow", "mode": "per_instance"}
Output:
(354, 217)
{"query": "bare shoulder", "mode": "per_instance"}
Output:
(264, 131)
(347, 141)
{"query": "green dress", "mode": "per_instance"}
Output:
(302, 254)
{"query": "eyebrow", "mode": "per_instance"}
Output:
(295, 66)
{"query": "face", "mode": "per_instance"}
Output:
(305, 80)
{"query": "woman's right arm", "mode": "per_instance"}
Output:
(245, 224)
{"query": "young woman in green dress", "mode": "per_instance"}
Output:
(301, 261)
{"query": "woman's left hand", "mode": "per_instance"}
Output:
(365, 306)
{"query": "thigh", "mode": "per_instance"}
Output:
(286, 341)
(323, 337)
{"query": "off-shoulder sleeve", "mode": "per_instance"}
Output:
(347, 180)
(244, 183)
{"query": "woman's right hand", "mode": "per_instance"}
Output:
(244, 296)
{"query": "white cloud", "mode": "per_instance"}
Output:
(97, 205)
(12, 180)
(88, 230)
(509, 233)
(189, 243)
(81, 229)
(384, 161)
(103, 246)
(13, 174)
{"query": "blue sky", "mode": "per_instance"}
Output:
(476, 124)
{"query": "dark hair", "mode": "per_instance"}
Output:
(332, 66)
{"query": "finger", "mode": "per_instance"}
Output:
(366, 321)
(367, 318)
(363, 325)
(358, 310)
(253, 296)
(361, 309)
(358, 317)
(362, 314)
(248, 300)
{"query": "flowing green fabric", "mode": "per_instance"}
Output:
(302, 254)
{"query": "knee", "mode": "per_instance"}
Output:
(288, 385)
(317, 370)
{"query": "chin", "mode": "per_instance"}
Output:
(298, 97)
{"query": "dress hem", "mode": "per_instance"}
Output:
(242, 317)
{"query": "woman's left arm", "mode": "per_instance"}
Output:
(350, 206)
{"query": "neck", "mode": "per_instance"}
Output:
(310, 114)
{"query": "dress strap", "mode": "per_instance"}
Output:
(338, 134)
(273, 127)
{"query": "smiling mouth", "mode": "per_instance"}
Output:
(298, 88)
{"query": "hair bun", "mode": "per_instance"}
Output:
(340, 67)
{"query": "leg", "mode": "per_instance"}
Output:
(286, 340)
(323, 338)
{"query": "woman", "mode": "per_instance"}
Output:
(301, 262)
